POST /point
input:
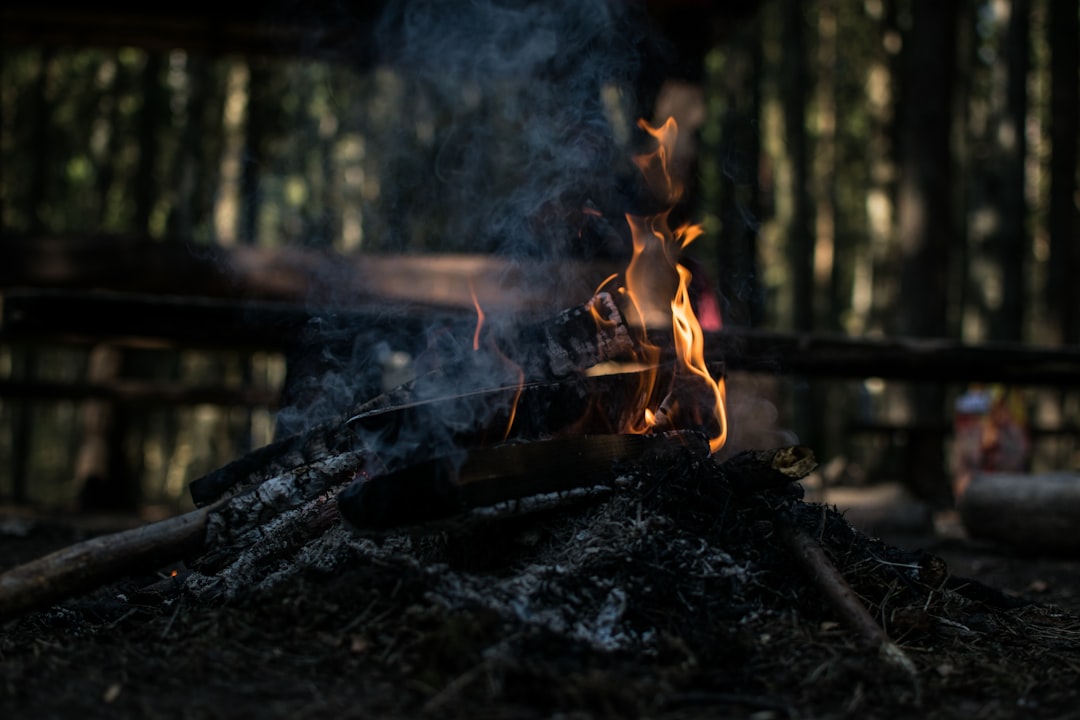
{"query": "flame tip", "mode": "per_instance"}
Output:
(644, 279)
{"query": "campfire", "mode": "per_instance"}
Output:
(569, 477)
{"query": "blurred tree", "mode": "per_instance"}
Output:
(1062, 288)
(925, 217)
(152, 114)
(794, 90)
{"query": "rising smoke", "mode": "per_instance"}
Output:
(513, 103)
(494, 125)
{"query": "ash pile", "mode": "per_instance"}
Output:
(673, 547)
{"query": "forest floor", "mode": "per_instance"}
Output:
(677, 621)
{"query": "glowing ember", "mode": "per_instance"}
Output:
(657, 288)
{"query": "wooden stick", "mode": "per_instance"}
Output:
(821, 571)
(229, 525)
(92, 563)
(757, 470)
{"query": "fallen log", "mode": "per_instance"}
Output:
(1037, 512)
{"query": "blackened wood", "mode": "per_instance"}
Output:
(576, 339)
(217, 533)
(453, 484)
(569, 344)
(542, 409)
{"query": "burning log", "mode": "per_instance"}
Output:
(452, 485)
(278, 498)
(562, 348)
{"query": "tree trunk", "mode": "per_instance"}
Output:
(1010, 241)
(925, 209)
(740, 156)
(101, 476)
(799, 237)
(255, 131)
(1062, 291)
(41, 119)
(925, 215)
(150, 120)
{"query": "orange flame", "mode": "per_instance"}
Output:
(480, 316)
(657, 287)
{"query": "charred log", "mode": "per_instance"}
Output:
(242, 539)
(451, 485)
(553, 398)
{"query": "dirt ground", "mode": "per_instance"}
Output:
(379, 637)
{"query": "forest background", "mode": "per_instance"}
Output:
(883, 168)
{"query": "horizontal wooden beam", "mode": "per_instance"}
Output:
(135, 392)
(320, 28)
(40, 315)
(911, 359)
(331, 29)
(144, 265)
(143, 320)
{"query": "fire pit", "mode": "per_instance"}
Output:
(530, 523)
(538, 412)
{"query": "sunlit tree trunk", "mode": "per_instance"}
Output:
(794, 91)
(828, 248)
